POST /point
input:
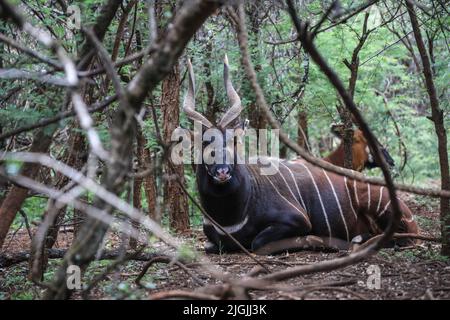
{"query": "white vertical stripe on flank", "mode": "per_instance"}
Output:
(385, 208)
(290, 203)
(296, 185)
(368, 196)
(350, 198)
(379, 199)
(338, 204)
(287, 185)
(356, 193)
(320, 199)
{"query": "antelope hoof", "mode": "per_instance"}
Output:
(211, 248)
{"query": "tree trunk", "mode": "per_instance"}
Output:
(302, 114)
(212, 107)
(256, 117)
(137, 182)
(74, 157)
(145, 160)
(438, 120)
(150, 188)
(345, 114)
(347, 138)
(175, 201)
(17, 195)
(302, 129)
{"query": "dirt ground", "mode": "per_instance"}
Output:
(406, 273)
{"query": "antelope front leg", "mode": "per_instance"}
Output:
(213, 241)
(276, 232)
(211, 248)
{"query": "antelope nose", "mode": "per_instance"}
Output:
(222, 174)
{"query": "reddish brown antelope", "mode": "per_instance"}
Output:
(299, 200)
(361, 153)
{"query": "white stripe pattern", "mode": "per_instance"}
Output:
(320, 199)
(356, 193)
(368, 197)
(379, 200)
(296, 185)
(385, 208)
(290, 203)
(338, 204)
(287, 185)
(350, 198)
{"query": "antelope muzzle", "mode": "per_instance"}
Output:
(221, 174)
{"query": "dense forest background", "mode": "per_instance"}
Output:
(389, 90)
(368, 42)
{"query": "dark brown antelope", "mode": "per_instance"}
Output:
(361, 154)
(299, 200)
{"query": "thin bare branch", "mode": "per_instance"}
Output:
(30, 52)
(42, 77)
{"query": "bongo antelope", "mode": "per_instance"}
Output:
(299, 200)
(361, 154)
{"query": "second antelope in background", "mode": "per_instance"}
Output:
(299, 199)
(361, 154)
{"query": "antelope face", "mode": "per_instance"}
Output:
(222, 151)
(219, 147)
(361, 154)
(360, 141)
(371, 163)
(217, 157)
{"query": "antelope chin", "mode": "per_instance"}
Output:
(222, 181)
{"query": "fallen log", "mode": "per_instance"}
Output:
(10, 259)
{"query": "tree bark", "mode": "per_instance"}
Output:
(104, 19)
(145, 159)
(345, 114)
(175, 201)
(437, 117)
(137, 182)
(212, 107)
(302, 115)
(17, 195)
(74, 157)
(256, 117)
(150, 187)
(302, 131)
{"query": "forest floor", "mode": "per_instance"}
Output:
(410, 273)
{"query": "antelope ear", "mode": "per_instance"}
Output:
(240, 129)
(245, 124)
(337, 129)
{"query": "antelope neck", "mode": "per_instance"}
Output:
(226, 204)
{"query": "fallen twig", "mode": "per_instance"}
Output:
(180, 294)
(166, 259)
(10, 259)
(303, 295)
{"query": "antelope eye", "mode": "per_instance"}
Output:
(213, 153)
